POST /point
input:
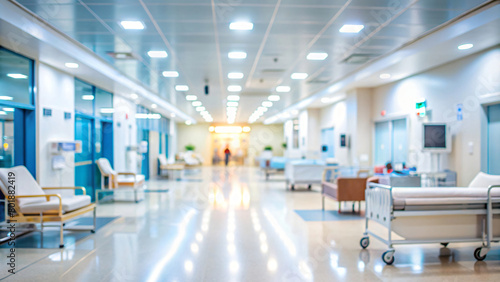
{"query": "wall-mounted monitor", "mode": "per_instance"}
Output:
(436, 138)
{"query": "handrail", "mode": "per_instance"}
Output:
(67, 188)
(489, 216)
(47, 196)
(372, 185)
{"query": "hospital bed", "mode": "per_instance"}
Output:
(435, 215)
(273, 165)
(304, 172)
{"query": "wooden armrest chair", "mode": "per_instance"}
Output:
(119, 179)
(27, 202)
(342, 189)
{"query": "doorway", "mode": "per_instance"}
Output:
(327, 143)
(493, 137)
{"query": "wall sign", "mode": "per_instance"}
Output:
(47, 112)
(421, 107)
(460, 112)
(67, 115)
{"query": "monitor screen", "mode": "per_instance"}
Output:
(435, 136)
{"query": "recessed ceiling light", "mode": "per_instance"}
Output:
(182, 88)
(385, 75)
(241, 26)
(172, 115)
(17, 75)
(134, 96)
(132, 24)
(170, 74)
(154, 106)
(262, 109)
(465, 46)
(157, 54)
(88, 97)
(71, 65)
(235, 75)
(188, 122)
(299, 75)
(232, 104)
(274, 98)
(283, 89)
(317, 56)
(237, 55)
(234, 88)
(191, 97)
(233, 98)
(204, 113)
(6, 98)
(351, 28)
(267, 104)
(196, 103)
(200, 109)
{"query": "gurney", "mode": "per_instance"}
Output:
(435, 215)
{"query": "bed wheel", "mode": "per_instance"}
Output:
(92, 231)
(477, 254)
(388, 257)
(365, 242)
(292, 187)
(309, 187)
(445, 244)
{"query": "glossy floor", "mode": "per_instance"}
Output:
(231, 225)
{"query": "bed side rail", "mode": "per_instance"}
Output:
(489, 216)
(379, 203)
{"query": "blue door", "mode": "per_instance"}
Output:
(399, 141)
(327, 143)
(494, 139)
(383, 150)
(84, 162)
(144, 136)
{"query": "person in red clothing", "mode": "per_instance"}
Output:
(227, 153)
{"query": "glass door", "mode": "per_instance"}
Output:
(382, 143)
(493, 139)
(84, 161)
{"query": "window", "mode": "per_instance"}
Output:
(84, 97)
(16, 78)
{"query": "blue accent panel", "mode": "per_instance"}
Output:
(30, 141)
(19, 137)
(327, 215)
(107, 142)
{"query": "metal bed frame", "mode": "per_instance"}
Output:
(380, 208)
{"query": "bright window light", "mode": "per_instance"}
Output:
(132, 24)
(71, 65)
(88, 97)
(384, 76)
(234, 88)
(235, 75)
(299, 75)
(181, 87)
(170, 74)
(204, 113)
(351, 28)
(274, 98)
(3, 113)
(241, 26)
(231, 109)
(232, 104)
(233, 98)
(283, 89)
(465, 46)
(267, 104)
(157, 54)
(196, 103)
(17, 76)
(317, 56)
(191, 97)
(200, 109)
(237, 55)
(262, 109)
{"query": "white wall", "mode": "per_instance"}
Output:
(172, 141)
(56, 91)
(265, 135)
(124, 132)
(459, 82)
(197, 135)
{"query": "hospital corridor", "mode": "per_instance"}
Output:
(236, 140)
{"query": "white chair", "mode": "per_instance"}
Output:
(170, 168)
(27, 202)
(119, 179)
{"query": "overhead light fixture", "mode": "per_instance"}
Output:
(235, 75)
(88, 97)
(182, 88)
(465, 46)
(172, 115)
(267, 104)
(157, 54)
(234, 88)
(134, 96)
(237, 55)
(384, 76)
(170, 74)
(107, 110)
(196, 103)
(8, 109)
(200, 109)
(132, 24)
(191, 97)
(317, 56)
(274, 98)
(294, 112)
(351, 28)
(71, 65)
(283, 89)
(188, 122)
(203, 113)
(299, 75)
(232, 104)
(17, 75)
(154, 106)
(233, 98)
(241, 26)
